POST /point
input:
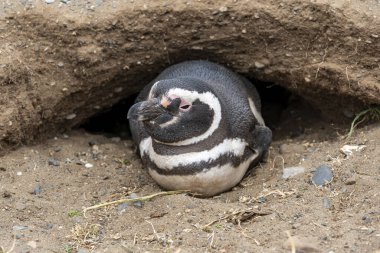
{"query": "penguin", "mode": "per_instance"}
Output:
(198, 127)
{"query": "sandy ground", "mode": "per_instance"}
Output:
(41, 204)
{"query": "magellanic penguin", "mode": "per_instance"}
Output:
(198, 127)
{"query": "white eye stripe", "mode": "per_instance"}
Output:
(234, 147)
(207, 98)
(151, 90)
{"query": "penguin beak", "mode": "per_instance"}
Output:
(153, 108)
(146, 110)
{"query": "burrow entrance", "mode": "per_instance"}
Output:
(286, 113)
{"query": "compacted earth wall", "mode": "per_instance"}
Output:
(64, 62)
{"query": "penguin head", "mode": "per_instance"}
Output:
(179, 111)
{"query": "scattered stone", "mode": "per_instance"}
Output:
(348, 150)
(19, 173)
(7, 194)
(71, 116)
(137, 204)
(19, 236)
(18, 228)
(366, 219)
(57, 149)
(322, 175)
(261, 200)
(37, 189)
(60, 64)
(49, 1)
(259, 65)
(118, 89)
(292, 171)
(49, 226)
(88, 165)
(122, 207)
(350, 181)
(103, 191)
(223, 9)
(326, 203)
(65, 136)
(53, 162)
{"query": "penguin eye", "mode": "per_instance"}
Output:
(184, 106)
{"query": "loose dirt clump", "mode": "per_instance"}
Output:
(315, 64)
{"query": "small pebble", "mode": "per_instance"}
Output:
(259, 65)
(19, 173)
(103, 191)
(37, 189)
(292, 171)
(81, 250)
(261, 200)
(122, 207)
(322, 175)
(326, 203)
(19, 236)
(88, 165)
(57, 149)
(71, 116)
(136, 204)
(7, 194)
(350, 181)
(60, 64)
(53, 162)
(49, 226)
(49, 1)
(223, 9)
(17, 227)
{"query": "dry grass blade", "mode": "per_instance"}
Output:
(291, 241)
(2, 250)
(372, 113)
(144, 198)
(86, 235)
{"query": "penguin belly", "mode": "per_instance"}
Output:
(199, 172)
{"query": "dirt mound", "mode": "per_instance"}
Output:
(64, 62)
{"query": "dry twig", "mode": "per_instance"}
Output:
(144, 198)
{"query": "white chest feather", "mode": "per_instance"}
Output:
(207, 182)
(232, 147)
(214, 181)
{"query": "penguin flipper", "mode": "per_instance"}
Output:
(260, 141)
